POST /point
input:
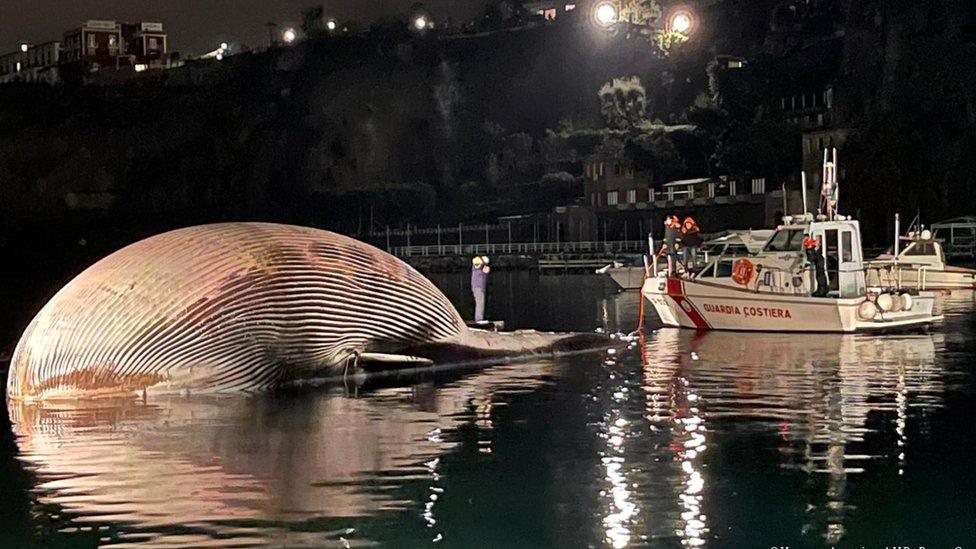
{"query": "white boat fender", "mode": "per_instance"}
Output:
(867, 310)
(896, 303)
(885, 302)
(907, 302)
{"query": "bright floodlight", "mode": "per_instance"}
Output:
(606, 13)
(289, 35)
(223, 45)
(331, 25)
(420, 22)
(23, 47)
(681, 22)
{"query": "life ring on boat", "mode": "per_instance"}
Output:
(742, 271)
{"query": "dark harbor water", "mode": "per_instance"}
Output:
(684, 439)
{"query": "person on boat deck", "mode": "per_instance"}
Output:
(691, 240)
(479, 282)
(672, 236)
(812, 248)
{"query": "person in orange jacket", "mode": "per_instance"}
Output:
(811, 246)
(691, 240)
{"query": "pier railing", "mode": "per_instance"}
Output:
(527, 248)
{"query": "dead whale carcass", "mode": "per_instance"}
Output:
(236, 306)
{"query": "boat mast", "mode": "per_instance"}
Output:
(830, 191)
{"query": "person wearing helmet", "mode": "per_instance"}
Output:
(479, 283)
(691, 240)
(811, 246)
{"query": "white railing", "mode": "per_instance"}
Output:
(608, 247)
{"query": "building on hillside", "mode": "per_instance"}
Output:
(146, 44)
(718, 204)
(550, 10)
(96, 44)
(812, 99)
(32, 63)
(611, 182)
(110, 51)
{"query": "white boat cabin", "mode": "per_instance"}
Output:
(782, 265)
(920, 251)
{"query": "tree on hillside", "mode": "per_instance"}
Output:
(656, 153)
(623, 102)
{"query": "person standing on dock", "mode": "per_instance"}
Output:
(479, 282)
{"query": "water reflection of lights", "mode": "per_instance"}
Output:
(814, 392)
(901, 404)
(689, 434)
(615, 430)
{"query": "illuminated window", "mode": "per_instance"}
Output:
(632, 196)
(612, 198)
(153, 43)
(549, 14)
(92, 41)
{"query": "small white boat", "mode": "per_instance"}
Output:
(772, 291)
(737, 243)
(921, 264)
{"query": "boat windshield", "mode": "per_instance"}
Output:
(921, 248)
(785, 240)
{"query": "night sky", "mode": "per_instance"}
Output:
(196, 26)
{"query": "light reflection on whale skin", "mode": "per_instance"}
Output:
(249, 471)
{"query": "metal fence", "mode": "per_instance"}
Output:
(517, 248)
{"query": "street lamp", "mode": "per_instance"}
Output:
(331, 24)
(289, 35)
(420, 22)
(681, 22)
(605, 13)
(24, 46)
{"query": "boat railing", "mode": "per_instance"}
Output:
(889, 275)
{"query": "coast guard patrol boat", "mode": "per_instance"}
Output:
(772, 291)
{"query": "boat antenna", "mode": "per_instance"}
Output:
(897, 233)
(829, 190)
(803, 186)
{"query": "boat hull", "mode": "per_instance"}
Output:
(628, 278)
(709, 306)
